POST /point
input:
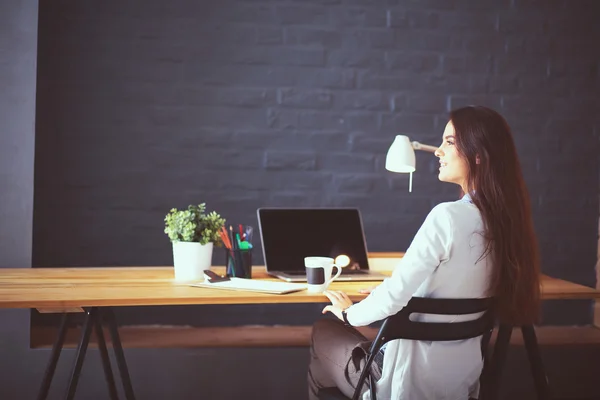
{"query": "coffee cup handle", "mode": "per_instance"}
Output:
(339, 271)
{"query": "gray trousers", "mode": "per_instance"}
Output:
(337, 356)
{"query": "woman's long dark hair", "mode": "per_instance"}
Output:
(497, 188)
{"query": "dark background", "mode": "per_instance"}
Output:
(125, 110)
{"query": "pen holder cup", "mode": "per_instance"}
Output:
(239, 263)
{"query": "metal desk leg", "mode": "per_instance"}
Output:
(535, 362)
(120, 356)
(54, 356)
(110, 380)
(81, 350)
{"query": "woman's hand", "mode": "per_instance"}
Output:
(368, 290)
(339, 302)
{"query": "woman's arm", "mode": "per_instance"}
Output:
(430, 247)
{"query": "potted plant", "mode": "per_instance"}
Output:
(193, 234)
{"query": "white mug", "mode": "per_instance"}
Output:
(318, 273)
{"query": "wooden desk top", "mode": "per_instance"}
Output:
(152, 286)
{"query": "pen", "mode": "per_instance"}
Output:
(237, 255)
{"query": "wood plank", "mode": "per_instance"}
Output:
(271, 336)
(57, 310)
(136, 286)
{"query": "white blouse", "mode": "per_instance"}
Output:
(442, 261)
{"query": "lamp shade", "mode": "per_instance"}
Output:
(400, 156)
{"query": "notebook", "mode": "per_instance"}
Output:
(253, 285)
(290, 234)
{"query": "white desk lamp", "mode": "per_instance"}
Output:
(401, 156)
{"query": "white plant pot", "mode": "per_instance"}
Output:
(191, 259)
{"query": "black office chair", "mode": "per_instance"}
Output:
(400, 326)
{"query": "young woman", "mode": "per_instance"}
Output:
(481, 245)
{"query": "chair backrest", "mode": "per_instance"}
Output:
(400, 326)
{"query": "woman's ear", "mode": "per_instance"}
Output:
(477, 160)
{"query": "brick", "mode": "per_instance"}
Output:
(222, 117)
(327, 120)
(289, 160)
(290, 180)
(345, 162)
(371, 59)
(544, 84)
(273, 76)
(240, 97)
(465, 64)
(269, 35)
(426, 104)
(414, 19)
(247, 13)
(504, 84)
(486, 5)
(576, 67)
(379, 38)
(401, 123)
(277, 56)
(321, 120)
(365, 39)
(526, 65)
(361, 100)
(359, 16)
(332, 78)
(425, 40)
(537, 45)
(520, 23)
(301, 35)
(305, 98)
(324, 2)
(484, 44)
(256, 139)
(365, 143)
(375, 81)
(492, 101)
(282, 118)
(356, 183)
(399, 102)
(411, 62)
(431, 4)
(317, 140)
(302, 180)
(301, 14)
(477, 22)
(294, 199)
(527, 105)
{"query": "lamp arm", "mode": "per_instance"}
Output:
(418, 146)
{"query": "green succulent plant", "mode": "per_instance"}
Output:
(194, 225)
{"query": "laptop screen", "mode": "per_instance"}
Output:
(290, 234)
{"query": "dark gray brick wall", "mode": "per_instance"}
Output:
(242, 104)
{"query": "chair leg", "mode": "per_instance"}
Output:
(108, 374)
(54, 356)
(494, 372)
(535, 362)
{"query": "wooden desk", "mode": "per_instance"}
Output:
(63, 289)
(59, 288)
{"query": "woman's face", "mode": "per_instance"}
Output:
(453, 167)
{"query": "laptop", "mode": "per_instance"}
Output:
(290, 234)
